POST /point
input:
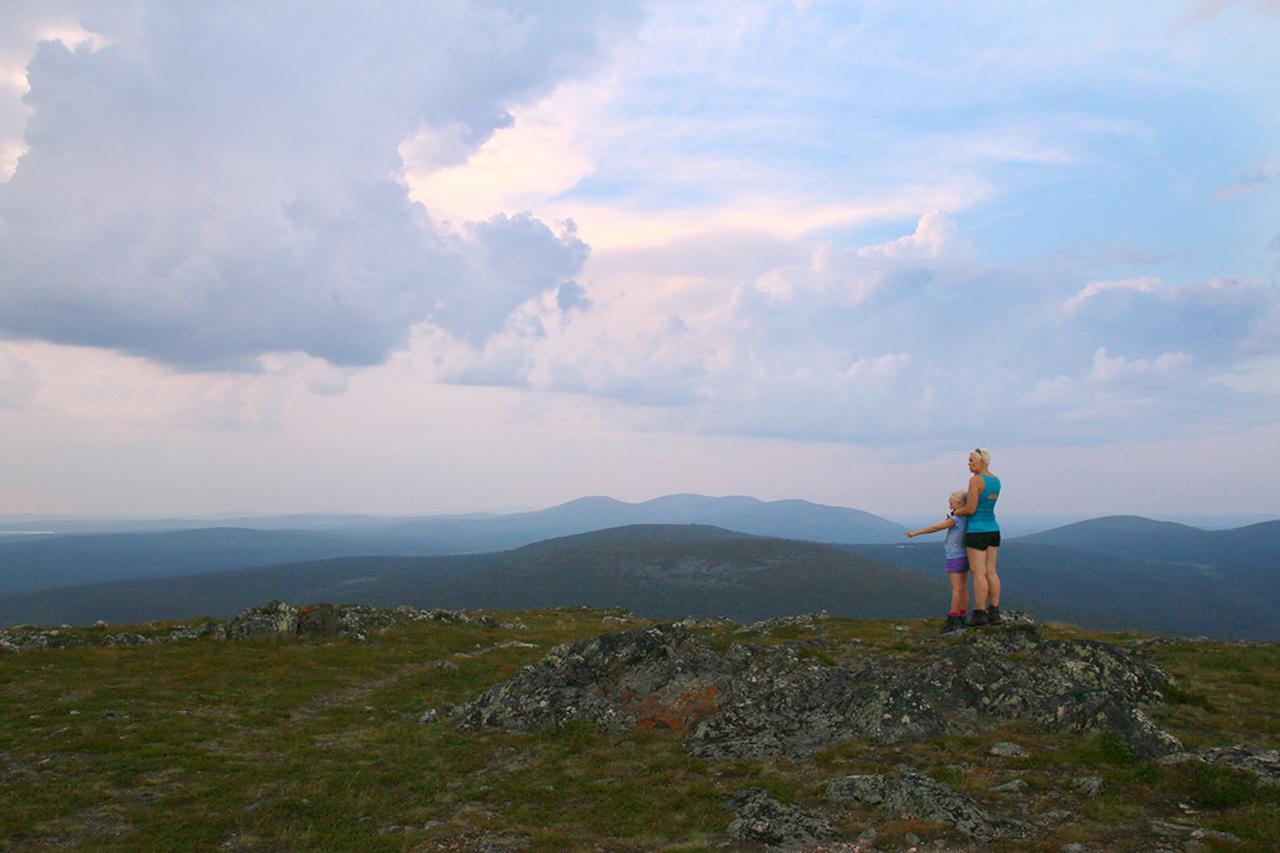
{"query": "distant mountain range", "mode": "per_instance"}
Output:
(30, 563)
(1107, 572)
(657, 570)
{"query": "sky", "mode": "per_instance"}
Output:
(416, 258)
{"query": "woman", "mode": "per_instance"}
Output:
(982, 538)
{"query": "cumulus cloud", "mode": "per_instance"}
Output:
(225, 184)
(912, 339)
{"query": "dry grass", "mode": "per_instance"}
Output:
(298, 744)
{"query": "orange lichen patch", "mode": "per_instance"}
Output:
(303, 611)
(680, 714)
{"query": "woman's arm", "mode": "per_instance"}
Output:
(975, 492)
(941, 525)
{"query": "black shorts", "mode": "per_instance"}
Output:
(982, 540)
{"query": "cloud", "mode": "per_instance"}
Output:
(225, 184)
(1218, 321)
(19, 380)
(1255, 176)
(1108, 369)
(1140, 285)
(908, 340)
(1206, 10)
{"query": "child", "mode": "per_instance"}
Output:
(957, 562)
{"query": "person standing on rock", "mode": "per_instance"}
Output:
(982, 539)
(957, 560)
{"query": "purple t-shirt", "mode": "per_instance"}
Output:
(954, 543)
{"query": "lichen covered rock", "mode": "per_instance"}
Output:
(1263, 764)
(273, 619)
(23, 638)
(754, 701)
(916, 797)
(761, 818)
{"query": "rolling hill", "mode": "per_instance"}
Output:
(657, 570)
(1249, 549)
(30, 563)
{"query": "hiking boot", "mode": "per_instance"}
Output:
(993, 615)
(976, 618)
(953, 623)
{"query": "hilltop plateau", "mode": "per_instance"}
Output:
(354, 727)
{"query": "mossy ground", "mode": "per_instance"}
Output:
(316, 744)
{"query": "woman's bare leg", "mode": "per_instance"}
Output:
(993, 579)
(978, 568)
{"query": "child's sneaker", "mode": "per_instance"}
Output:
(993, 615)
(976, 618)
(953, 623)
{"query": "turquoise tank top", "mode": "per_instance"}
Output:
(983, 519)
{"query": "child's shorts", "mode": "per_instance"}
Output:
(957, 565)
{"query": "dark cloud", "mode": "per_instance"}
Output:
(224, 185)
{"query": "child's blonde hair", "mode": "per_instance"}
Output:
(957, 497)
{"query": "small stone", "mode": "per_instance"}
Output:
(912, 838)
(1013, 786)
(868, 835)
(432, 715)
(1216, 835)
(1089, 786)
(1008, 749)
(1170, 830)
(1073, 847)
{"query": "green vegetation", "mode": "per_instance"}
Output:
(297, 744)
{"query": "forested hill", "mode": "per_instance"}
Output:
(657, 570)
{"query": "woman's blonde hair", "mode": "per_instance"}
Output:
(958, 497)
(984, 455)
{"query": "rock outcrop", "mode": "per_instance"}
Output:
(1262, 764)
(917, 797)
(761, 818)
(24, 638)
(758, 701)
(273, 619)
(352, 621)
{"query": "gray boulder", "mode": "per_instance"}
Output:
(273, 619)
(761, 818)
(916, 797)
(1263, 764)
